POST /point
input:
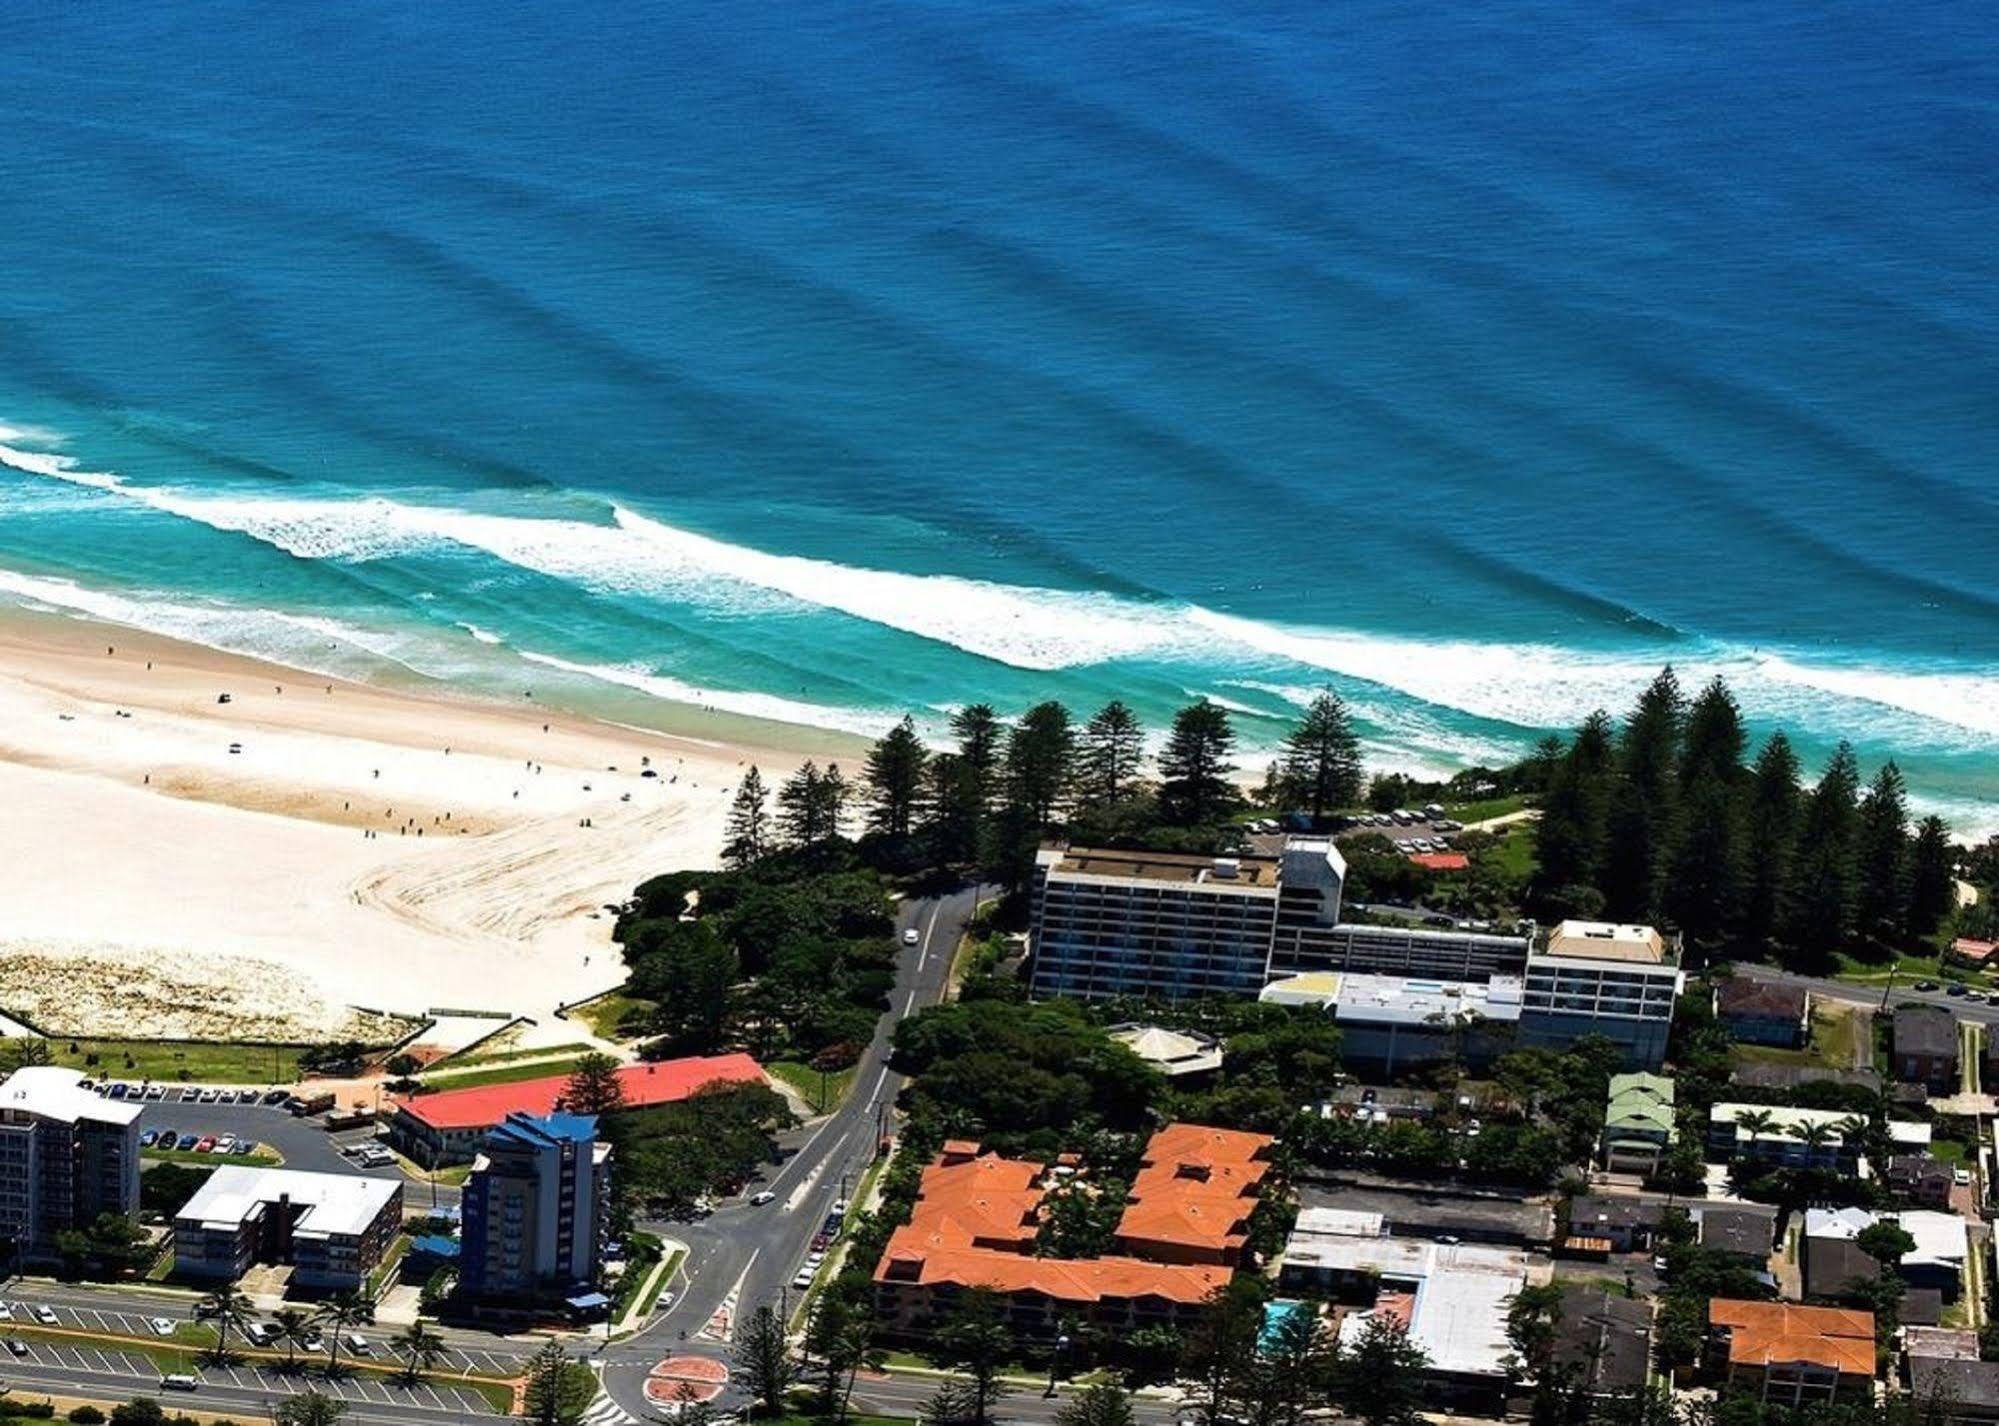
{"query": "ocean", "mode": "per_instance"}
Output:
(825, 361)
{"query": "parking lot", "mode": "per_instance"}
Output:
(117, 1322)
(303, 1143)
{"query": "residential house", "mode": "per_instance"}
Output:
(1622, 1224)
(1606, 1337)
(1763, 1012)
(1832, 1268)
(1972, 953)
(1920, 1179)
(1935, 1262)
(1744, 1233)
(1925, 1048)
(1791, 1356)
(1944, 1367)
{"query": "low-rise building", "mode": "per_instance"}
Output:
(1638, 1123)
(1921, 1179)
(1606, 1338)
(331, 1228)
(448, 1126)
(67, 1157)
(1746, 1233)
(1966, 1393)
(1791, 1356)
(1623, 1224)
(1936, 1262)
(1783, 1135)
(976, 1218)
(1451, 1298)
(1763, 1012)
(1926, 1048)
(1390, 1023)
(1177, 1054)
(1972, 952)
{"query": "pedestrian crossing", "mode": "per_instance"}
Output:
(606, 1412)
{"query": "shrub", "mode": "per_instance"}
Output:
(86, 1415)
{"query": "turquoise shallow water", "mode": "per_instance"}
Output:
(823, 364)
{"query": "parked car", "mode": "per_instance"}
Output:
(761, 1197)
(162, 1326)
(1961, 1176)
(205, 1145)
(45, 1315)
(149, 1138)
(244, 1146)
(187, 1142)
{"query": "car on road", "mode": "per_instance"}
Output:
(839, 1206)
(909, 937)
(1956, 988)
(179, 1381)
(162, 1326)
(1961, 1176)
(45, 1315)
(802, 1280)
(1926, 985)
(761, 1197)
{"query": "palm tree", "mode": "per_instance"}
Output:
(1754, 1122)
(1814, 1136)
(421, 1350)
(337, 1314)
(229, 1308)
(295, 1327)
(309, 1408)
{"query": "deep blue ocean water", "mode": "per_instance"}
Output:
(827, 359)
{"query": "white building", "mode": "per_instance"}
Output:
(1599, 978)
(66, 1157)
(332, 1228)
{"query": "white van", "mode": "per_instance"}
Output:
(178, 1381)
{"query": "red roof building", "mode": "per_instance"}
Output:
(446, 1126)
(1441, 861)
(976, 1218)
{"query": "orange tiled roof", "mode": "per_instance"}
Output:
(1195, 1187)
(1764, 1334)
(991, 1199)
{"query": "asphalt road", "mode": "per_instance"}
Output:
(743, 1256)
(1902, 993)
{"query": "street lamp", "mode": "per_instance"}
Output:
(1055, 1361)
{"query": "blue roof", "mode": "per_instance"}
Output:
(547, 1129)
(435, 1245)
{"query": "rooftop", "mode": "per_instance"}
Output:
(1962, 1384)
(1925, 1030)
(1607, 941)
(1606, 1334)
(1316, 987)
(1195, 1188)
(1441, 861)
(334, 1202)
(1232, 873)
(1763, 1334)
(1173, 1052)
(1748, 1232)
(644, 1085)
(1406, 1000)
(1785, 1120)
(57, 1093)
(1763, 999)
(1458, 1292)
(1604, 1210)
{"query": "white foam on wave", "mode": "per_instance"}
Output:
(746, 704)
(482, 635)
(301, 641)
(1526, 685)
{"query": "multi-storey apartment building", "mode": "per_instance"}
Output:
(1126, 923)
(330, 1228)
(66, 1156)
(534, 1209)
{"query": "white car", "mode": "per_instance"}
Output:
(909, 937)
(802, 1280)
(6, 1313)
(760, 1198)
(1960, 1175)
(162, 1326)
(46, 1316)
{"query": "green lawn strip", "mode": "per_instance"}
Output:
(658, 1285)
(856, 1419)
(379, 1279)
(1512, 851)
(1949, 1151)
(166, 1061)
(261, 1159)
(806, 1080)
(474, 1058)
(606, 1015)
(505, 1074)
(642, 1250)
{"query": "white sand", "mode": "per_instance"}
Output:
(252, 871)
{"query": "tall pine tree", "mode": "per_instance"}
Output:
(1775, 810)
(1113, 745)
(1575, 819)
(1932, 878)
(1194, 767)
(1882, 850)
(1321, 762)
(896, 764)
(1825, 889)
(1040, 762)
(746, 836)
(1645, 808)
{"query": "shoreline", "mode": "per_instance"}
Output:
(196, 865)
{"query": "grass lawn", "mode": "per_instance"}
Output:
(1839, 1041)
(206, 1062)
(263, 1158)
(1480, 811)
(806, 1080)
(606, 1015)
(642, 1250)
(1906, 969)
(651, 1298)
(504, 1074)
(1949, 1151)
(1512, 851)
(501, 1057)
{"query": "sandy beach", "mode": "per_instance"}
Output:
(307, 851)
